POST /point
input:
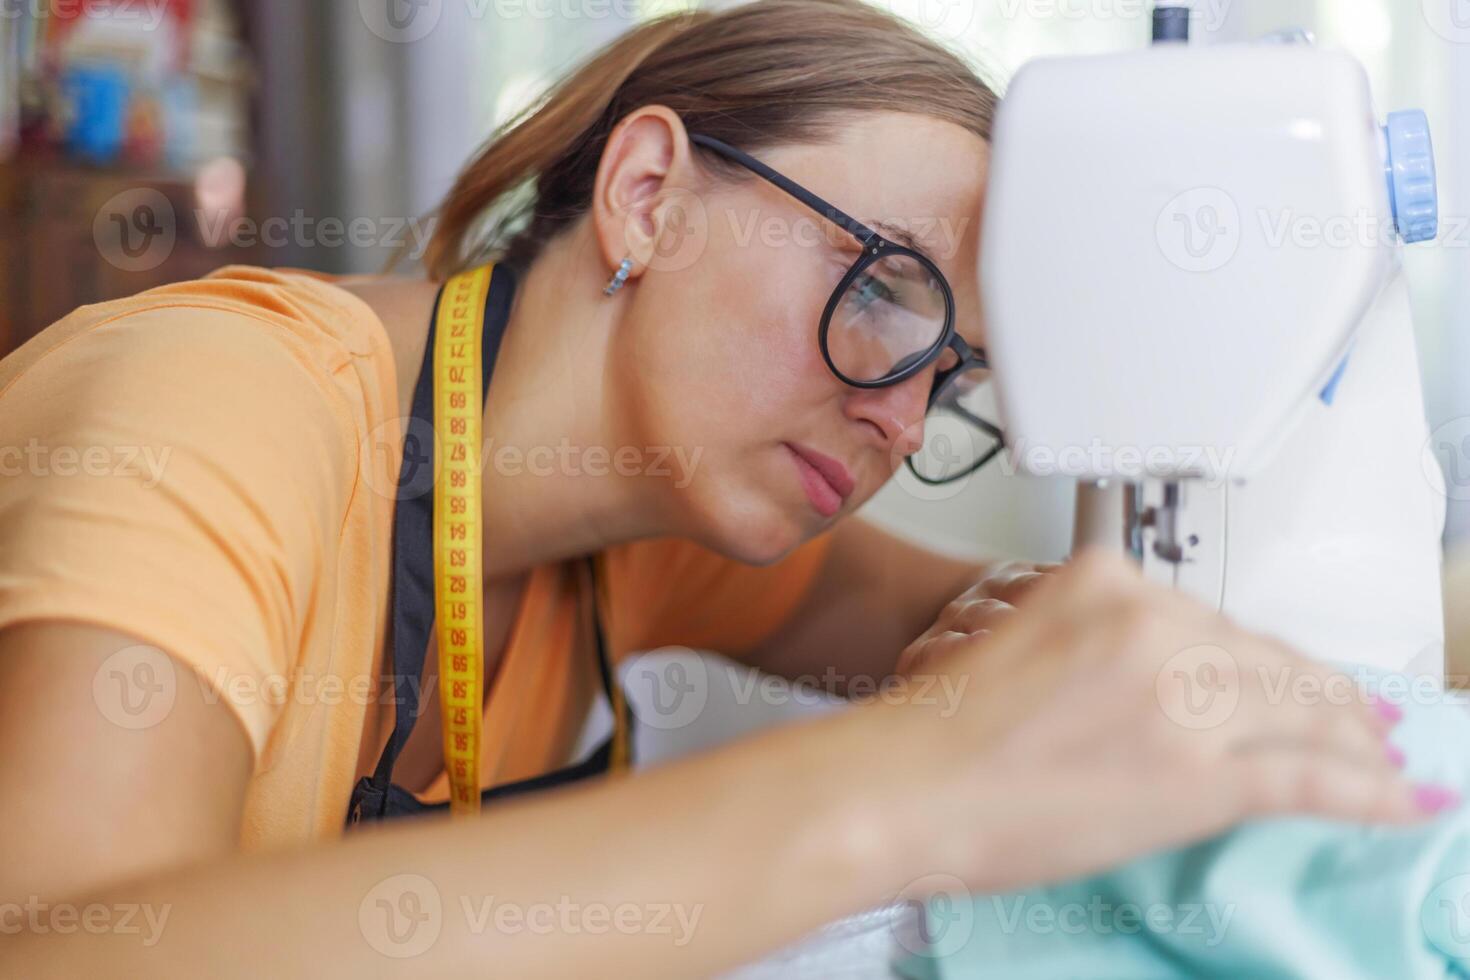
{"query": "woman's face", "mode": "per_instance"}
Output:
(722, 337)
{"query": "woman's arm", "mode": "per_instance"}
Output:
(683, 870)
(874, 594)
(676, 872)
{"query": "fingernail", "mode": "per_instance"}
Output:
(1391, 713)
(1431, 798)
(1395, 756)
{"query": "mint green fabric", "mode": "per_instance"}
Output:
(1272, 900)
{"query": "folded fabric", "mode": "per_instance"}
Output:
(1284, 898)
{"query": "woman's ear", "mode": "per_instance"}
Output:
(642, 207)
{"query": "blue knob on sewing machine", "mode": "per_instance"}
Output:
(1409, 165)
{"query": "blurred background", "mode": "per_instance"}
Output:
(144, 141)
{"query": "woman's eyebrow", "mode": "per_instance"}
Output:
(897, 234)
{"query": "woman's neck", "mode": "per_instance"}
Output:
(549, 402)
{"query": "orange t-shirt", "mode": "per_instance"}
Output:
(209, 466)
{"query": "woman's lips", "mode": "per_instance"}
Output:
(826, 481)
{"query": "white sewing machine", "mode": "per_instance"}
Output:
(1195, 306)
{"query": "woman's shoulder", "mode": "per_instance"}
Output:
(243, 371)
(231, 313)
(250, 343)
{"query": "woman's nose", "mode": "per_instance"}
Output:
(896, 412)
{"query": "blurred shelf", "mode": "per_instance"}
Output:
(62, 249)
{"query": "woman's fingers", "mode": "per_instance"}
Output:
(1289, 699)
(981, 614)
(1277, 780)
(1014, 589)
(1313, 742)
(1103, 693)
(1289, 675)
(1342, 730)
(934, 649)
(1010, 581)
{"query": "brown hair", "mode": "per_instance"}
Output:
(756, 75)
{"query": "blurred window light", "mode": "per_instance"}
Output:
(517, 92)
(1363, 26)
(650, 9)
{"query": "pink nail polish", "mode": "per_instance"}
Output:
(1395, 756)
(1431, 798)
(1392, 713)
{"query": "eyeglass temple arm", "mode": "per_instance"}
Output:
(856, 228)
(969, 357)
(982, 424)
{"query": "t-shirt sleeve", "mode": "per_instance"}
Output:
(177, 474)
(674, 592)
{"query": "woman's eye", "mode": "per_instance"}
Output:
(870, 289)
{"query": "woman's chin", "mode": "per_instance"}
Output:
(761, 531)
(746, 519)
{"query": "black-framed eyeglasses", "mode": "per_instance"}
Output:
(890, 316)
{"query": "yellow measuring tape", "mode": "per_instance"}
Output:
(458, 596)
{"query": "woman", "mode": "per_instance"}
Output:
(250, 576)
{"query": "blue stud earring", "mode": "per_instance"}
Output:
(619, 277)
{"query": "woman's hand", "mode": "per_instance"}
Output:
(1108, 717)
(975, 612)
